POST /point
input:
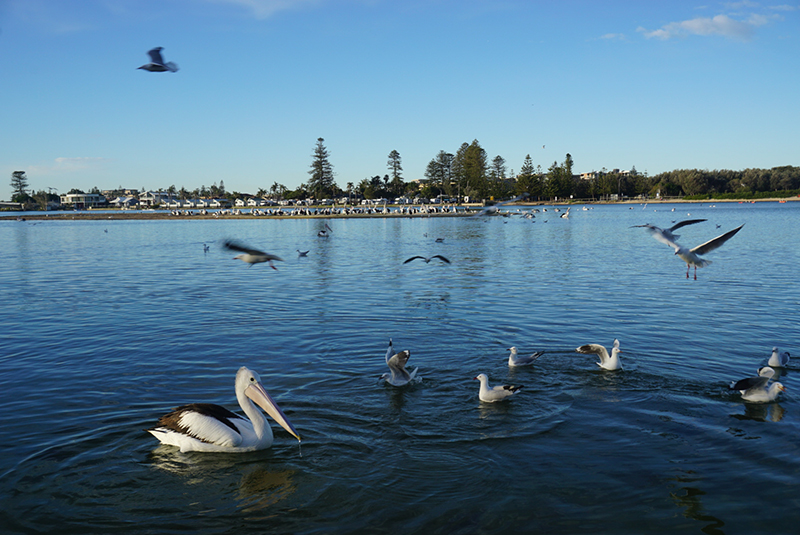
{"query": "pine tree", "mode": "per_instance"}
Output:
(321, 183)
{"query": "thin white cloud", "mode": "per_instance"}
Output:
(263, 9)
(785, 7)
(613, 36)
(721, 25)
(65, 165)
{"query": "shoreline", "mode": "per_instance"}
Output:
(108, 214)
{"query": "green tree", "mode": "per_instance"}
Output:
(526, 180)
(321, 183)
(395, 166)
(19, 186)
(439, 173)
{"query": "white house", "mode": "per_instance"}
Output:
(83, 200)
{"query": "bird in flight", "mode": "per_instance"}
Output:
(252, 256)
(157, 63)
(427, 259)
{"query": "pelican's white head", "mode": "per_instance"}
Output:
(248, 383)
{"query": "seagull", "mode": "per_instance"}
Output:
(427, 260)
(497, 393)
(606, 362)
(157, 62)
(778, 360)
(691, 256)
(302, 253)
(665, 235)
(493, 210)
(397, 366)
(755, 388)
(252, 256)
(206, 248)
(324, 232)
(515, 360)
(211, 428)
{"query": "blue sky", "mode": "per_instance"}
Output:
(617, 84)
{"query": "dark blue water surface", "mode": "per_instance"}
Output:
(105, 325)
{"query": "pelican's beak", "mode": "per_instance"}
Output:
(259, 395)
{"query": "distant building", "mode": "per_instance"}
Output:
(154, 198)
(82, 201)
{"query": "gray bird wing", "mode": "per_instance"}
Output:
(715, 243)
(680, 224)
(233, 246)
(155, 55)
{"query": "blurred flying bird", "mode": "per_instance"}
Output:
(427, 260)
(157, 62)
(665, 235)
(252, 256)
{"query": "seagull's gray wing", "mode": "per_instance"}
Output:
(595, 349)
(750, 382)
(680, 224)
(397, 364)
(155, 55)
(233, 246)
(440, 257)
(717, 242)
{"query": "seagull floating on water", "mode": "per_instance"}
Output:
(157, 63)
(606, 362)
(515, 360)
(252, 256)
(665, 235)
(428, 259)
(302, 253)
(397, 367)
(497, 393)
(692, 256)
(778, 360)
(211, 428)
(755, 388)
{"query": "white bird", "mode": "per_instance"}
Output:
(755, 388)
(606, 362)
(565, 215)
(778, 360)
(324, 232)
(497, 393)
(252, 256)
(493, 210)
(515, 360)
(157, 63)
(665, 235)
(428, 259)
(397, 366)
(692, 256)
(211, 428)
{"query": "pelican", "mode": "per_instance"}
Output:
(692, 256)
(428, 259)
(157, 63)
(755, 388)
(607, 363)
(397, 366)
(252, 256)
(565, 215)
(324, 233)
(211, 428)
(665, 235)
(497, 393)
(778, 360)
(515, 360)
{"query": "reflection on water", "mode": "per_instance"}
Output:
(119, 326)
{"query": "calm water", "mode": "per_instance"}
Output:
(105, 325)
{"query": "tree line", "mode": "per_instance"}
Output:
(468, 172)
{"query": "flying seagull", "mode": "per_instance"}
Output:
(252, 256)
(665, 235)
(302, 253)
(157, 62)
(692, 256)
(497, 393)
(427, 260)
(493, 210)
(606, 362)
(515, 360)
